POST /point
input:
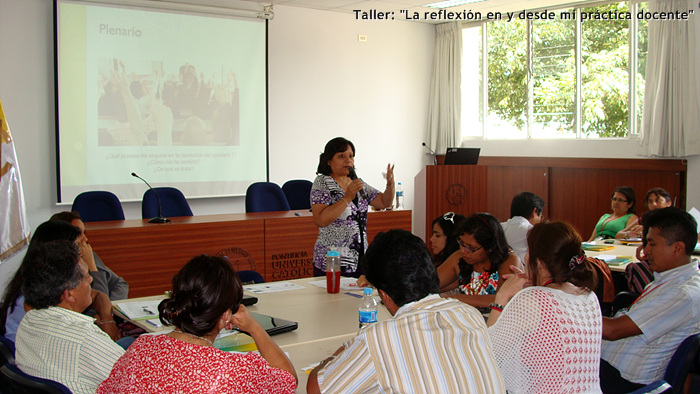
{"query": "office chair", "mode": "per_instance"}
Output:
(249, 277)
(265, 197)
(14, 381)
(297, 192)
(173, 203)
(7, 351)
(678, 368)
(98, 206)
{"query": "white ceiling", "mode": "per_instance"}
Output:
(347, 6)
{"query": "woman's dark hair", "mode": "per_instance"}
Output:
(448, 223)
(66, 216)
(628, 192)
(336, 145)
(558, 246)
(661, 192)
(487, 231)
(46, 232)
(203, 290)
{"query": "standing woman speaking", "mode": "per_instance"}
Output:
(339, 203)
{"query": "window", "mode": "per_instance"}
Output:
(578, 74)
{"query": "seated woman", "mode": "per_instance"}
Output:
(547, 338)
(623, 215)
(443, 242)
(655, 198)
(12, 308)
(484, 257)
(103, 278)
(206, 297)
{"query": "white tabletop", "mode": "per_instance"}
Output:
(325, 320)
(620, 249)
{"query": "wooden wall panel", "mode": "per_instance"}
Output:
(289, 248)
(581, 196)
(505, 182)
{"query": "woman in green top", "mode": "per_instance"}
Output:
(623, 215)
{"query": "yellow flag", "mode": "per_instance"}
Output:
(14, 232)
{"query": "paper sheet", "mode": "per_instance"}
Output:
(272, 287)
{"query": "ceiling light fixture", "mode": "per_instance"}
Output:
(451, 3)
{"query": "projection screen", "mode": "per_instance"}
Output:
(176, 96)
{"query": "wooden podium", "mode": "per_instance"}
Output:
(447, 188)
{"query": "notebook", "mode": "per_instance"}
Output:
(462, 155)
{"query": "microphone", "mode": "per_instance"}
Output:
(159, 218)
(353, 175)
(433, 152)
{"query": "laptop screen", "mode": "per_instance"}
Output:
(462, 156)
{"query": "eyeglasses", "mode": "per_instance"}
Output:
(467, 247)
(615, 199)
(449, 216)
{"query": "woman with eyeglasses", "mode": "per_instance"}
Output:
(206, 298)
(546, 327)
(623, 215)
(480, 264)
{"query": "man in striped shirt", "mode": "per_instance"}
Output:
(54, 340)
(431, 345)
(639, 343)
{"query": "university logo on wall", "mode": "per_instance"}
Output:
(456, 194)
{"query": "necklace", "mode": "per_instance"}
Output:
(194, 336)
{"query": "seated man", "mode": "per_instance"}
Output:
(638, 343)
(525, 212)
(103, 278)
(431, 345)
(54, 340)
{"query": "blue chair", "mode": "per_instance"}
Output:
(678, 368)
(14, 381)
(249, 276)
(265, 197)
(297, 192)
(98, 206)
(7, 351)
(173, 203)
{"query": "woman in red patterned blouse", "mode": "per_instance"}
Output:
(206, 291)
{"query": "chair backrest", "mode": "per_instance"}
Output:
(7, 351)
(98, 206)
(249, 276)
(14, 381)
(173, 203)
(297, 192)
(265, 197)
(681, 362)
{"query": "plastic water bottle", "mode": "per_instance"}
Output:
(399, 197)
(368, 309)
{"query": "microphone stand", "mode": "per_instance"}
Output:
(159, 218)
(432, 152)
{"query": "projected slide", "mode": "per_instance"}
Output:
(177, 98)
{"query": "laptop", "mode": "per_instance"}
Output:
(274, 325)
(462, 156)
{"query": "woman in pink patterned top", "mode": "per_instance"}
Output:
(206, 292)
(546, 338)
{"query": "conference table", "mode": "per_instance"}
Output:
(620, 249)
(325, 320)
(278, 245)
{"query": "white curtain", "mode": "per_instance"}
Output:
(671, 114)
(445, 107)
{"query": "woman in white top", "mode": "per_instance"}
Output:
(546, 338)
